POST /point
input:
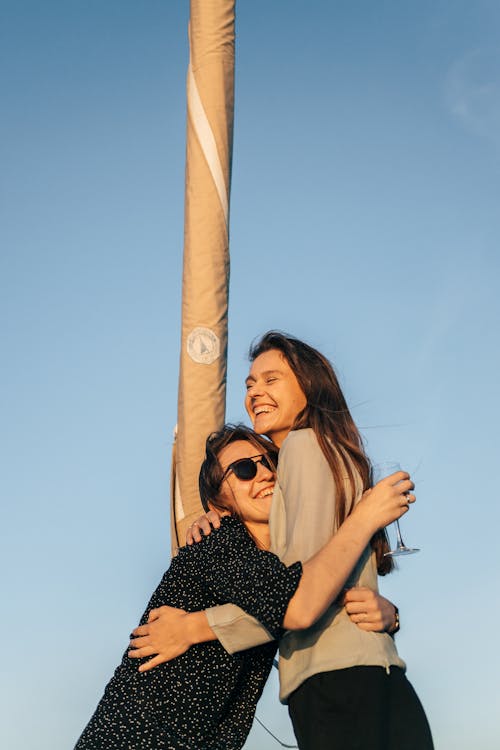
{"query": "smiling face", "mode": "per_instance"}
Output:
(274, 396)
(249, 499)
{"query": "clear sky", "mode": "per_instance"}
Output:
(365, 219)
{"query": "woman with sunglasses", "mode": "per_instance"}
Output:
(345, 684)
(206, 698)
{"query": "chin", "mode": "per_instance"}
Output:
(263, 426)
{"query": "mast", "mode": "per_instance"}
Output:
(205, 282)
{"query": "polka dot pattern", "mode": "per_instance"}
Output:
(205, 698)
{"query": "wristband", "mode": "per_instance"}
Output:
(396, 625)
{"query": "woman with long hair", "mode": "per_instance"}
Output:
(206, 698)
(345, 686)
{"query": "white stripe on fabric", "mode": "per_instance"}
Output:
(207, 141)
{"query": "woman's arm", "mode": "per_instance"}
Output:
(325, 573)
(322, 579)
(297, 531)
(303, 514)
(170, 632)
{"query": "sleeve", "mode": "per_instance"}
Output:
(253, 579)
(305, 501)
(236, 630)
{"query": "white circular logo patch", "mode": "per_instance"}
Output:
(203, 346)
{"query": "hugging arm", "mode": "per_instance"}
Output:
(237, 630)
(228, 567)
(323, 575)
(170, 632)
(302, 531)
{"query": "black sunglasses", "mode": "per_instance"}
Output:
(246, 468)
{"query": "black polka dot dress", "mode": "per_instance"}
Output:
(205, 698)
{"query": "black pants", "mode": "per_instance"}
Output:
(360, 708)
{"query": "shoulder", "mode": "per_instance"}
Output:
(302, 458)
(231, 534)
(301, 445)
(299, 440)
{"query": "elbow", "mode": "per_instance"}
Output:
(299, 619)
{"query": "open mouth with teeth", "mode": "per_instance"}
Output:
(262, 410)
(264, 493)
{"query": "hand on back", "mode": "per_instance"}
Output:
(162, 638)
(202, 527)
(369, 610)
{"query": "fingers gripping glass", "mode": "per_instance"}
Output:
(246, 468)
(379, 472)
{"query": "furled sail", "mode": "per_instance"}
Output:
(202, 377)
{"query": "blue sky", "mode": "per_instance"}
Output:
(364, 219)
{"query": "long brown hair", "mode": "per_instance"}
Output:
(327, 413)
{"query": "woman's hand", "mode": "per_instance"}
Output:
(164, 637)
(369, 610)
(202, 524)
(387, 501)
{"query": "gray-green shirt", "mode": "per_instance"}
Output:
(302, 521)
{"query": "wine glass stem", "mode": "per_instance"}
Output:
(399, 537)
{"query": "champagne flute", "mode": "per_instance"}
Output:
(380, 471)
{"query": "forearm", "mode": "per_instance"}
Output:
(246, 630)
(170, 632)
(324, 575)
(326, 571)
(233, 627)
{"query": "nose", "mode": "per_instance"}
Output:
(254, 390)
(263, 473)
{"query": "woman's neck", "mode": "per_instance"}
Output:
(259, 533)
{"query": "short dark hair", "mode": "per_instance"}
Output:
(211, 473)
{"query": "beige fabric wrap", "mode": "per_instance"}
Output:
(202, 378)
